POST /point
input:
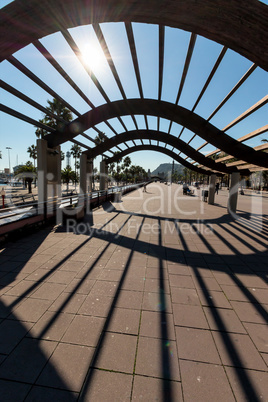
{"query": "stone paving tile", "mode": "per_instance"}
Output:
(108, 386)
(223, 320)
(31, 309)
(13, 391)
(12, 279)
(132, 283)
(251, 281)
(189, 316)
(48, 291)
(259, 335)
(107, 288)
(80, 286)
(71, 266)
(206, 283)
(72, 362)
(156, 285)
(213, 298)
(248, 385)
(197, 345)
(39, 275)
(44, 394)
(178, 269)
(97, 306)
(110, 275)
(224, 278)
(23, 289)
(157, 325)
(117, 352)
(89, 271)
(64, 277)
(265, 357)
(157, 358)
(204, 382)
(68, 303)
(238, 350)
(251, 313)
(185, 296)
(27, 268)
(157, 301)
(84, 330)
(181, 281)
(124, 321)
(32, 355)
(51, 326)
(130, 299)
(252, 295)
(11, 333)
(156, 389)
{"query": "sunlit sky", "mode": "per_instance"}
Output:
(19, 135)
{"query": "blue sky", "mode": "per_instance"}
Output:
(19, 135)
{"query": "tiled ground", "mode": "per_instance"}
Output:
(162, 298)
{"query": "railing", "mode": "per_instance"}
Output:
(39, 212)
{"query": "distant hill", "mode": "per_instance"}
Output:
(167, 167)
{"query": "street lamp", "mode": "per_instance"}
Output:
(8, 148)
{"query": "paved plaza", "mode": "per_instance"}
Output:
(160, 297)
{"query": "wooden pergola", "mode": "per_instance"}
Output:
(239, 26)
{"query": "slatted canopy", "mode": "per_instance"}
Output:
(236, 26)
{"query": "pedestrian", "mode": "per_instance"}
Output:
(3, 194)
(217, 188)
(144, 188)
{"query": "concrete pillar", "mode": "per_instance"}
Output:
(83, 174)
(90, 175)
(233, 192)
(49, 175)
(103, 176)
(42, 175)
(211, 189)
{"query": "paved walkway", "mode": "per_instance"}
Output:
(161, 297)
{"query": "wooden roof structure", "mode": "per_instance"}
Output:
(236, 25)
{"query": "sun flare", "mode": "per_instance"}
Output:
(92, 56)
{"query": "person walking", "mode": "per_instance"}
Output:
(217, 188)
(144, 188)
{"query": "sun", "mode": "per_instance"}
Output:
(92, 56)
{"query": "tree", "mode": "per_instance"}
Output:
(76, 152)
(62, 155)
(56, 117)
(27, 172)
(101, 137)
(67, 175)
(32, 151)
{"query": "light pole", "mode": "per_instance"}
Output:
(8, 148)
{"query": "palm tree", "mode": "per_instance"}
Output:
(76, 151)
(27, 172)
(67, 175)
(101, 137)
(126, 164)
(32, 151)
(54, 109)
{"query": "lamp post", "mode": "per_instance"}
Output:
(8, 148)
